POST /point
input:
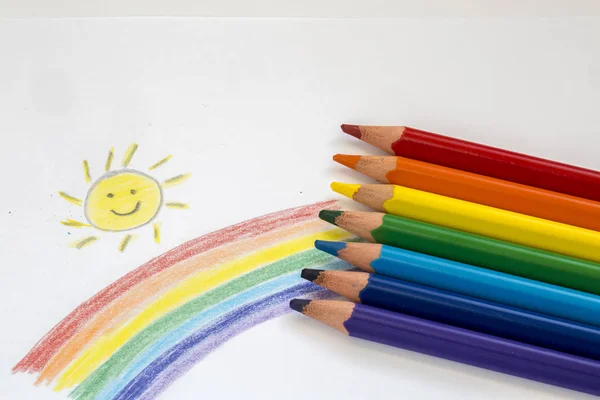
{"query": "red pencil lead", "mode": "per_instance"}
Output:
(353, 130)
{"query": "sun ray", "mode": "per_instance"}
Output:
(75, 224)
(124, 243)
(176, 180)
(71, 199)
(86, 171)
(129, 154)
(161, 162)
(177, 205)
(156, 227)
(109, 159)
(80, 244)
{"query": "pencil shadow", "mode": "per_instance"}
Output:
(351, 145)
(344, 174)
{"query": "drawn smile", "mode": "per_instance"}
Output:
(135, 209)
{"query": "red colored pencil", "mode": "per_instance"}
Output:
(480, 159)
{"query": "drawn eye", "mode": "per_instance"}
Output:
(110, 195)
(133, 191)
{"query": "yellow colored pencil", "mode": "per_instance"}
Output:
(476, 218)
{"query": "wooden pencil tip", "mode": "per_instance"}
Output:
(298, 304)
(345, 189)
(310, 274)
(353, 130)
(347, 160)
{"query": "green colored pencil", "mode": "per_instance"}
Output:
(468, 248)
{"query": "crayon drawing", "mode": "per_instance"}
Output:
(139, 334)
(122, 200)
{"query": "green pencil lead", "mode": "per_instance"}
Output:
(330, 215)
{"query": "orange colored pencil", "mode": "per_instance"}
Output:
(477, 189)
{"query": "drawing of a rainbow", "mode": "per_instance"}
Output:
(139, 334)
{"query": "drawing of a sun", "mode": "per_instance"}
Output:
(122, 200)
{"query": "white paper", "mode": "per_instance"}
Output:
(252, 109)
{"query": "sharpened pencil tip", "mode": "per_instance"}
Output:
(310, 274)
(353, 130)
(329, 215)
(347, 160)
(298, 304)
(330, 247)
(345, 189)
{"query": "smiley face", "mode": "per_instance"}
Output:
(123, 200)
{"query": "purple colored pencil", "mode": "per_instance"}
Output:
(456, 344)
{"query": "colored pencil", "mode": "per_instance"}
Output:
(476, 218)
(469, 280)
(456, 344)
(462, 311)
(470, 249)
(476, 188)
(480, 159)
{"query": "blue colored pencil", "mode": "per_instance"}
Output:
(462, 311)
(469, 280)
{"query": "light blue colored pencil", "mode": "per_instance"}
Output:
(468, 280)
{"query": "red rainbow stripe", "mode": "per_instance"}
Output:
(42, 352)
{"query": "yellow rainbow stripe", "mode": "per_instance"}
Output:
(195, 285)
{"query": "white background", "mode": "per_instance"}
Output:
(252, 109)
(304, 8)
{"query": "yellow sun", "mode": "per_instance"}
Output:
(122, 200)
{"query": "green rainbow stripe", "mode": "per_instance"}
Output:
(123, 358)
